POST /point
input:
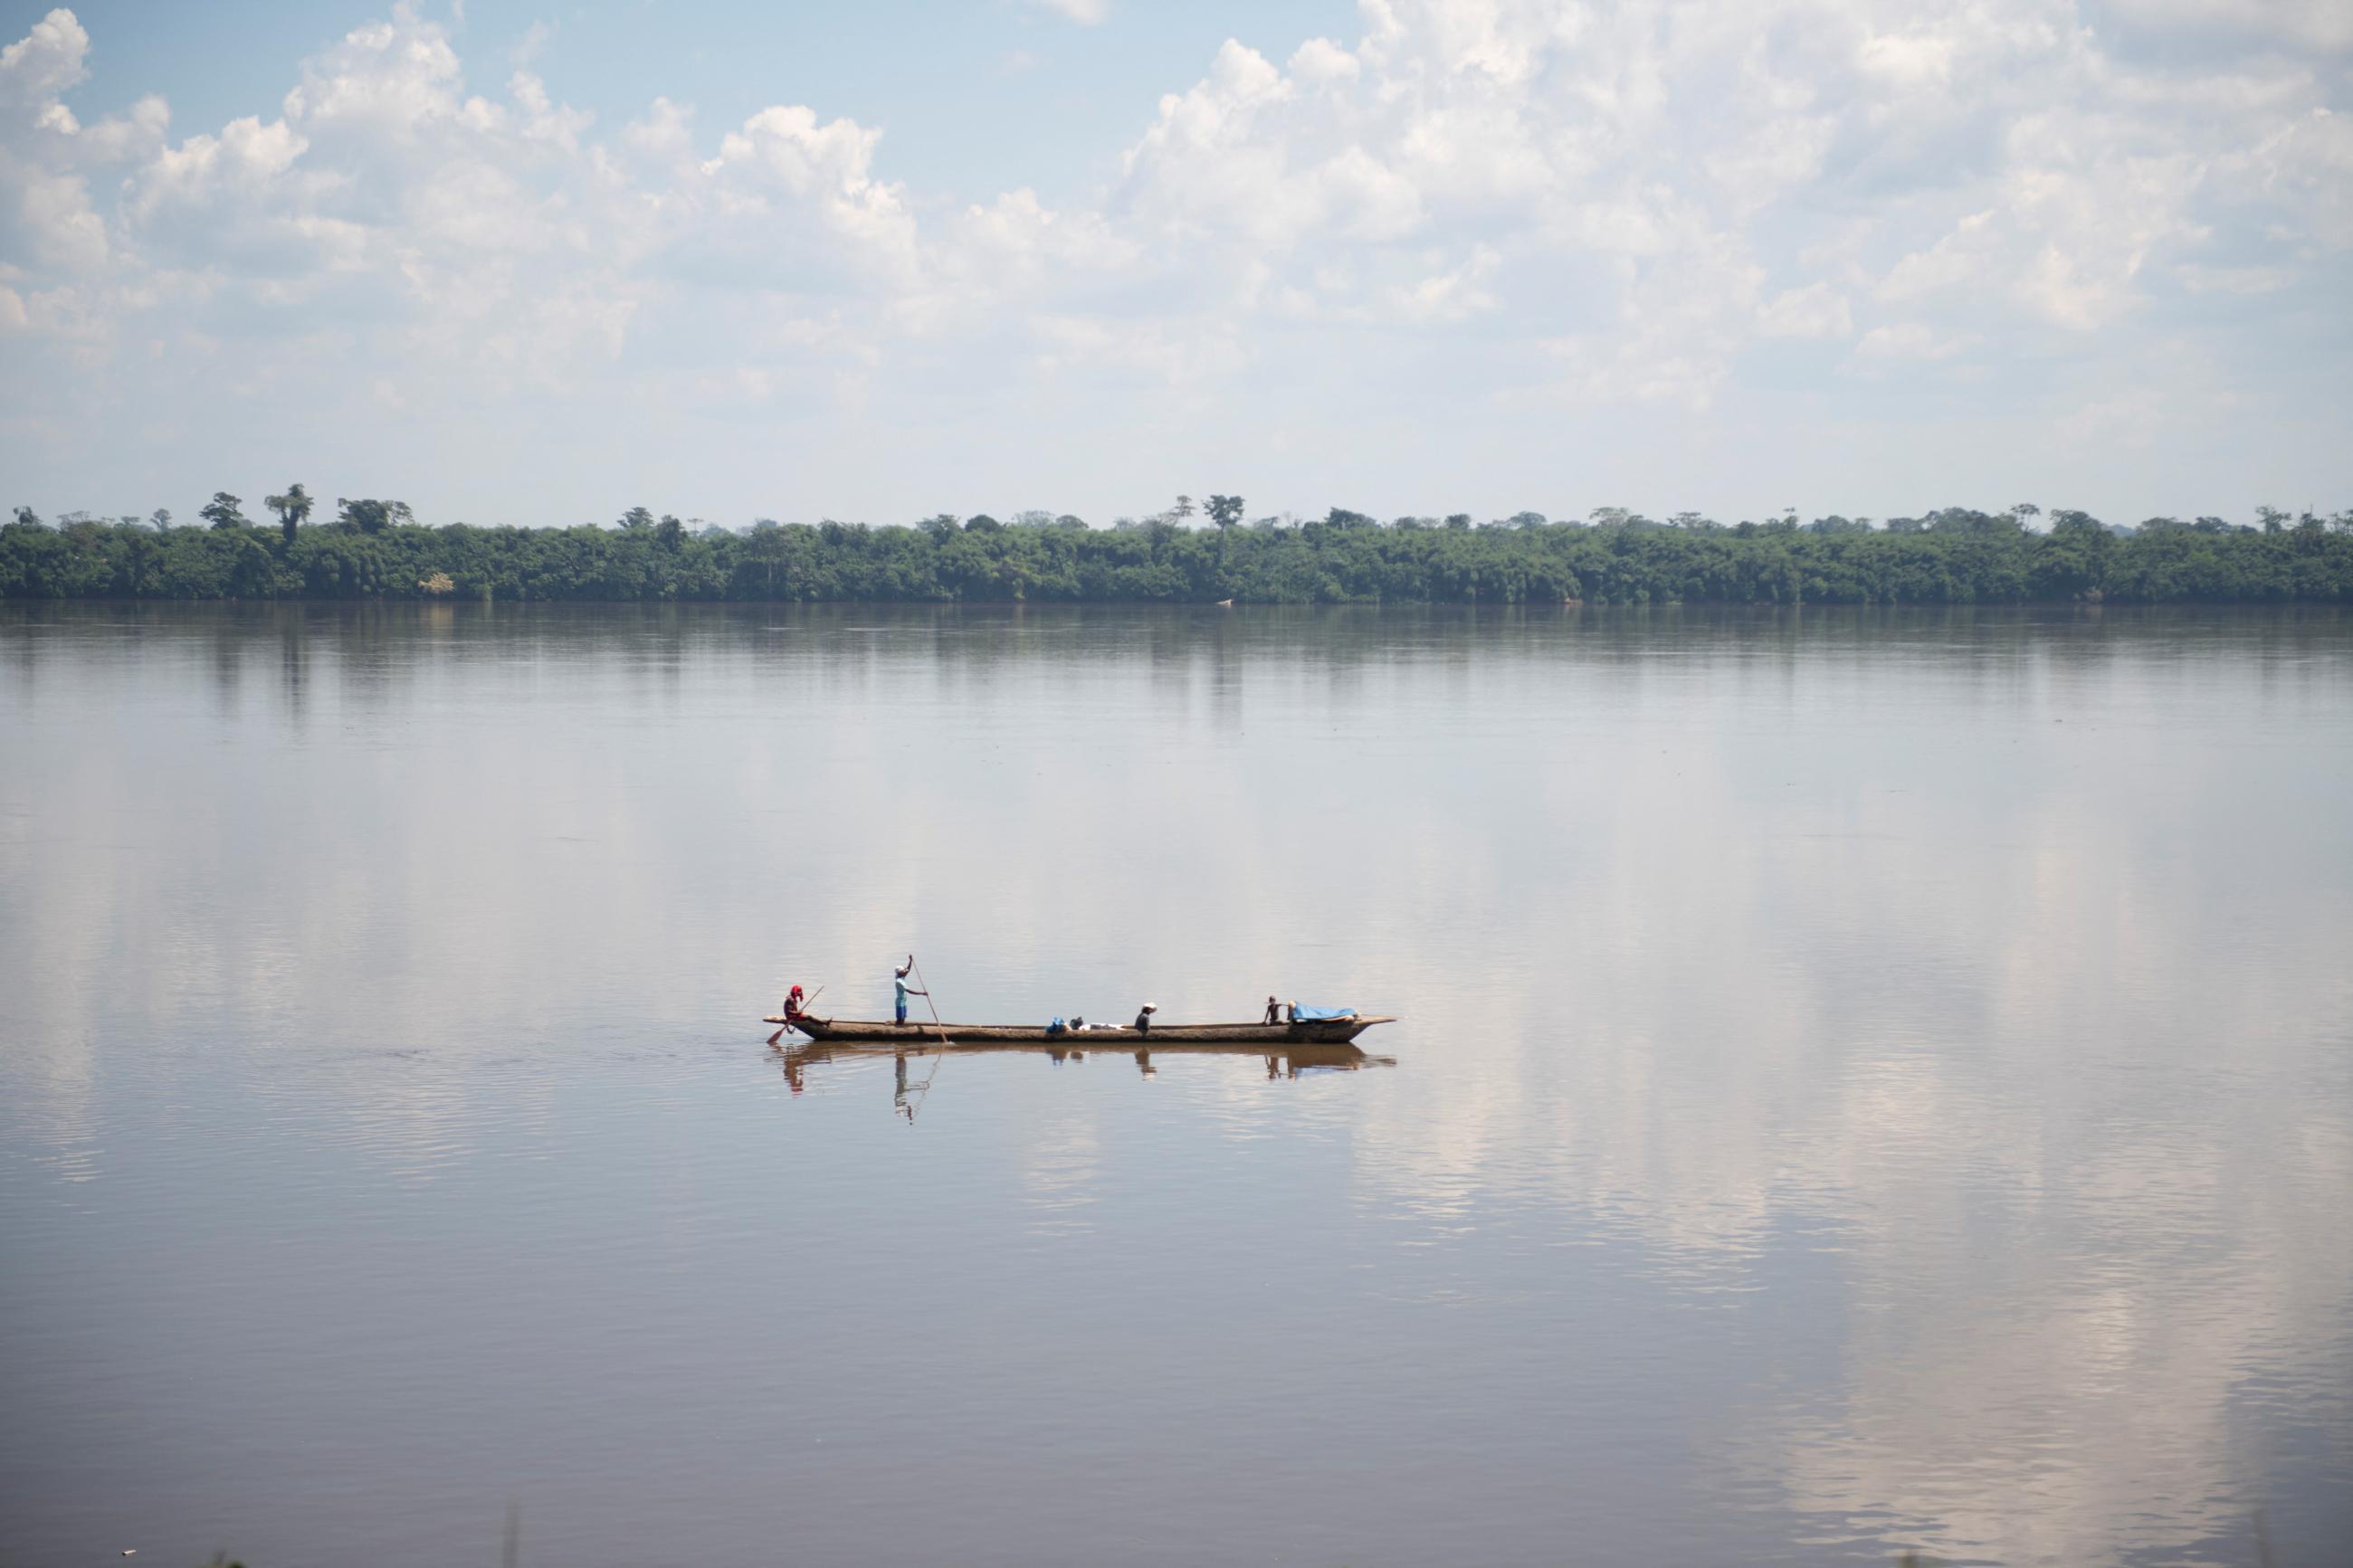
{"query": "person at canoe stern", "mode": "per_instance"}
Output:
(898, 982)
(1273, 1011)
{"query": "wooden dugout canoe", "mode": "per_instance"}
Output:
(1296, 1057)
(912, 1035)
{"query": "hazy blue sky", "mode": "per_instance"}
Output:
(536, 263)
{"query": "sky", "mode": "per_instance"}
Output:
(519, 262)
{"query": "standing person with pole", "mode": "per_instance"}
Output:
(903, 990)
(923, 1091)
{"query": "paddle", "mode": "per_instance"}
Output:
(805, 1006)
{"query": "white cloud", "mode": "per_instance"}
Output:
(1451, 294)
(1816, 311)
(39, 68)
(2232, 279)
(666, 130)
(532, 44)
(389, 78)
(1085, 13)
(543, 119)
(1019, 233)
(2326, 25)
(246, 156)
(1611, 204)
(66, 231)
(1916, 340)
(1908, 61)
(1319, 62)
(1155, 350)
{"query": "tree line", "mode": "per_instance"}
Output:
(375, 548)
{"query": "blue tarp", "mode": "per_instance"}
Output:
(1317, 1015)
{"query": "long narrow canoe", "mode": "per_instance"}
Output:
(1298, 1055)
(861, 1031)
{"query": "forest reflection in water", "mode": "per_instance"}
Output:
(1867, 1080)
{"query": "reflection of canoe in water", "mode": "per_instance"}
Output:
(1239, 1039)
(1279, 1054)
(1284, 1053)
(1078, 1044)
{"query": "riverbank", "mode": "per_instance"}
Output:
(1955, 559)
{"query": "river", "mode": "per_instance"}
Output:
(1864, 1081)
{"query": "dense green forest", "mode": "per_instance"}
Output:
(375, 549)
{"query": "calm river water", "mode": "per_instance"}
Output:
(1867, 1081)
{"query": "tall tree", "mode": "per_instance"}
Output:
(222, 511)
(668, 532)
(293, 509)
(1224, 510)
(161, 518)
(373, 516)
(637, 517)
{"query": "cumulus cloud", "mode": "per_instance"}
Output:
(39, 67)
(1619, 204)
(1640, 173)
